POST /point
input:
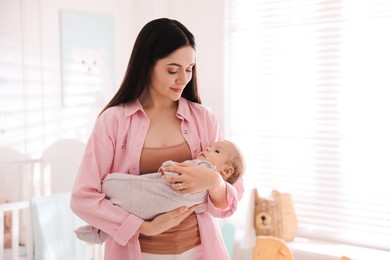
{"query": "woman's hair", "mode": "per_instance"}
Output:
(156, 40)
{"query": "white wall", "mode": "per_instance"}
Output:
(33, 27)
(123, 12)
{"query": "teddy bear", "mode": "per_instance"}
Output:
(275, 216)
(7, 226)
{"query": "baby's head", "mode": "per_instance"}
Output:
(227, 157)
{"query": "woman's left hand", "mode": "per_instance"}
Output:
(192, 178)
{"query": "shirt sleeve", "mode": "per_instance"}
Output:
(87, 199)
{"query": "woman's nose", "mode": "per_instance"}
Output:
(182, 78)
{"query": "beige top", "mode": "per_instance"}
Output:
(153, 158)
(184, 236)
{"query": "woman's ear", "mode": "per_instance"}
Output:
(227, 172)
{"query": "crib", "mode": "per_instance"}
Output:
(16, 251)
(39, 194)
(48, 227)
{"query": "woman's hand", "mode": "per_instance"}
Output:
(165, 221)
(193, 178)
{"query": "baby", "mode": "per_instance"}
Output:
(157, 194)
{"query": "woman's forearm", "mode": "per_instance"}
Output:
(218, 193)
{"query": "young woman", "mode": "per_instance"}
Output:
(156, 115)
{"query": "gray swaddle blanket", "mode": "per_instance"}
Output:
(145, 196)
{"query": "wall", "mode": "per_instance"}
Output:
(32, 114)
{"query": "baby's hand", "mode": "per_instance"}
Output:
(165, 164)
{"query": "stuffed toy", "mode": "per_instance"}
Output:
(268, 247)
(7, 226)
(275, 216)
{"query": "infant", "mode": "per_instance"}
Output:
(156, 196)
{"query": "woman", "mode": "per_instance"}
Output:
(156, 115)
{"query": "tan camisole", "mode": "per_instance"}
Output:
(184, 236)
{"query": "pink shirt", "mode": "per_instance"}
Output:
(115, 145)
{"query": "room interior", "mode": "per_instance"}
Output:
(46, 119)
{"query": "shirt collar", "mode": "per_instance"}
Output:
(183, 110)
(132, 107)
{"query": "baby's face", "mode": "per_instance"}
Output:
(218, 154)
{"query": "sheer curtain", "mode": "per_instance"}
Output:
(308, 101)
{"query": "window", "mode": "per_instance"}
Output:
(308, 101)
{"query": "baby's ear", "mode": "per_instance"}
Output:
(227, 172)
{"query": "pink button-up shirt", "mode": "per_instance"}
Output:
(115, 146)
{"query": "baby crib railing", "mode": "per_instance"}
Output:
(17, 251)
(44, 221)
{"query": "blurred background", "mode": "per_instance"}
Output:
(302, 86)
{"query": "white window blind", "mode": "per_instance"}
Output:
(308, 101)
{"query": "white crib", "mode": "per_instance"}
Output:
(16, 251)
(39, 192)
(48, 231)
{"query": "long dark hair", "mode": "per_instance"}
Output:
(156, 40)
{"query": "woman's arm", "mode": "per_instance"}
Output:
(88, 200)
(165, 221)
(223, 197)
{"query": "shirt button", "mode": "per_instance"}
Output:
(185, 131)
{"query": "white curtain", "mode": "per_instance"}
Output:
(308, 101)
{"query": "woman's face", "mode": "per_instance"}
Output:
(171, 74)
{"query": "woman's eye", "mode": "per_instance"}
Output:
(190, 71)
(172, 72)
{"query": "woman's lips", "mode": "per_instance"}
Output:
(178, 90)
